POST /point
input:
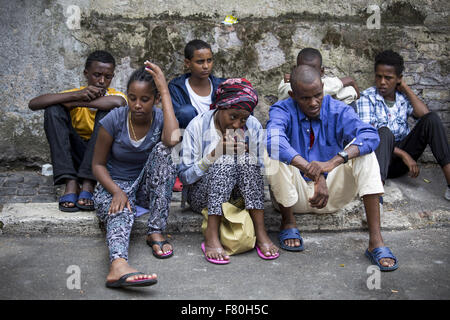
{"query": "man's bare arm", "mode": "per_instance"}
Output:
(102, 103)
(49, 99)
(87, 94)
(408, 161)
(420, 108)
(315, 168)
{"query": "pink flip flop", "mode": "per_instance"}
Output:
(262, 256)
(211, 259)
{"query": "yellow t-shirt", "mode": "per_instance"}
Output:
(83, 119)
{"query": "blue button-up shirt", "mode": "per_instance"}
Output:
(288, 131)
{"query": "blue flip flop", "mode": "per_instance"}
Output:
(381, 253)
(87, 196)
(70, 197)
(291, 233)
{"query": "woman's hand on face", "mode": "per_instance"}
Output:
(118, 202)
(234, 144)
(219, 150)
(240, 146)
(226, 145)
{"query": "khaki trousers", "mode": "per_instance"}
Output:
(359, 176)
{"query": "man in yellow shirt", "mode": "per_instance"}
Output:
(70, 123)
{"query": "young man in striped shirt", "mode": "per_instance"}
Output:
(387, 106)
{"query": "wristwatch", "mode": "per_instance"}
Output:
(344, 155)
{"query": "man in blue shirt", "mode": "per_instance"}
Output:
(321, 157)
(387, 106)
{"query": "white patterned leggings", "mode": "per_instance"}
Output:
(152, 190)
(228, 177)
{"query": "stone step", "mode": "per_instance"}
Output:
(408, 204)
(45, 218)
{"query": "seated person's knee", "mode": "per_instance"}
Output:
(185, 114)
(385, 132)
(56, 111)
(431, 117)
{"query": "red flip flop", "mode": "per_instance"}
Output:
(178, 186)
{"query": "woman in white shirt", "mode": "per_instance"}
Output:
(220, 161)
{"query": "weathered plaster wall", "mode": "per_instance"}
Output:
(41, 52)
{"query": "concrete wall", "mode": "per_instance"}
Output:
(43, 48)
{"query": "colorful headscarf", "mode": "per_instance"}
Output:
(236, 93)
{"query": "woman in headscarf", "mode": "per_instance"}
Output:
(222, 159)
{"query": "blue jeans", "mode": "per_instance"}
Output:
(185, 114)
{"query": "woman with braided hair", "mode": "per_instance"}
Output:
(133, 165)
(221, 159)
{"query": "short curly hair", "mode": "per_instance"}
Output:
(390, 58)
(100, 56)
(309, 54)
(194, 45)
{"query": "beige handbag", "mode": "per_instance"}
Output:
(236, 231)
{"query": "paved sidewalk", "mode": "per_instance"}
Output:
(38, 244)
(333, 266)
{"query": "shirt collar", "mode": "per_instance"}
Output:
(378, 96)
(399, 97)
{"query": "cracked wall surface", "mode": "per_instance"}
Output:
(42, 52)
